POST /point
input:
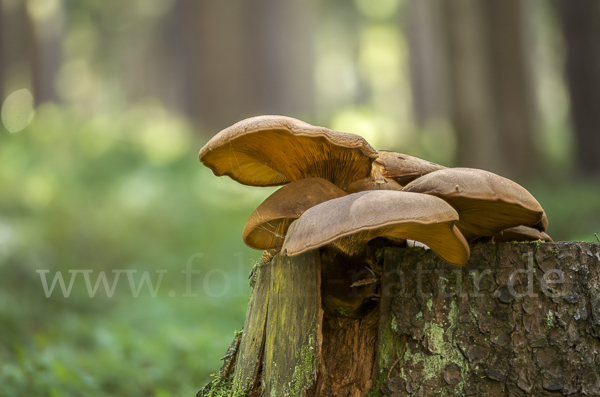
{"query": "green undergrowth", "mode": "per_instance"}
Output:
(95, 195)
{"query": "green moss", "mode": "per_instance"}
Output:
(394, 323)
(220, 386)
(473, 315)
(343, 311)
(443, 353)
(223, 384)
(389, 350)
(303, 372)
(550, 320)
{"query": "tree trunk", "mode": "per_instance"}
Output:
(516, 320)
(18, 48)
(427, 63)
(3, 55)
(512, 88)
(581, 29)
(245, 58)
(471, 105)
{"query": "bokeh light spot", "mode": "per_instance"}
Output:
(154, 8)
(358, 121)
(17, 110)
(42, 9)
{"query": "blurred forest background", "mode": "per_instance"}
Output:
(106, 103)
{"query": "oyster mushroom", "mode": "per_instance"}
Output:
(275, 150)
(404, 168)
(350, 222)
(486, 203)
(267, 226)
(521, 233)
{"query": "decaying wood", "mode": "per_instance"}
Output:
(252, 345)
(518, 320)
(293, 330)
(348, 360)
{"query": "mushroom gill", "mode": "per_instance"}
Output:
(274, 150)
(521, 234)
(267, 226)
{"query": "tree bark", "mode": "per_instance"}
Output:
(519, 319)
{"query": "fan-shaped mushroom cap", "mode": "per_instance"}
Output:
(274, 150)
(521, 233)
(350, 222)
(267, 226)
(404, 168)
(486, 203)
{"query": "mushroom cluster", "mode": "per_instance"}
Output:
(341, 193)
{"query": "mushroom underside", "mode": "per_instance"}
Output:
(267, 225)
(486, 218)
(443, 238)
(269, 235)
(276, 157)
(521, 234)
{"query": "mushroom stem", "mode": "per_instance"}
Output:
(375, 181)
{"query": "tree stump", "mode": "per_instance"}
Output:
(519, 319)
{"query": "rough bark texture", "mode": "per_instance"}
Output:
(517, 320)
(501, 326)
(252, 344)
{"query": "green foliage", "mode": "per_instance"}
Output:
(124, 192)
(572, 207)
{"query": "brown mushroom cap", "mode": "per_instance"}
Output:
(267, 226)
(351, 221)
(404, 168)
(521, 233)
(274, 150)
(486, 203)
